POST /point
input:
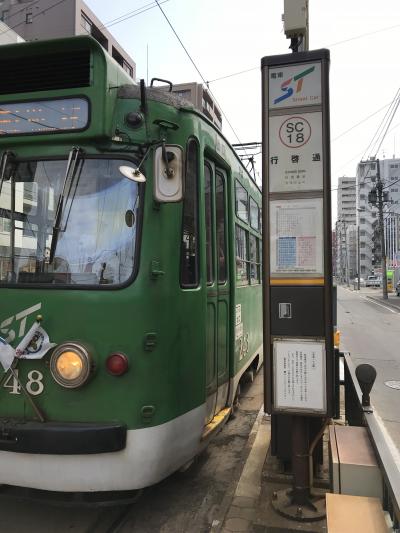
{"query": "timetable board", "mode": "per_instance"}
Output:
(296, 237)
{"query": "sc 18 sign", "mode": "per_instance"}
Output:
(295, 132)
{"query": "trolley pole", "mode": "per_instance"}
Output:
(379, 190)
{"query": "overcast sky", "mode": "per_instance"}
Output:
(228, 36)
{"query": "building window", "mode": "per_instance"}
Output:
(394, 190)
(190, 225)
(242, 207)
(242, 260)
(5, 225)
(28, 18)
(126, 66)
(86, 23)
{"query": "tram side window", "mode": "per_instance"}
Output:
(242, 259)
(254, 214)
(221, 231)
(254, 260)
(209, 227)
(242, 205)
(190, 224)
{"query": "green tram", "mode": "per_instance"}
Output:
(128, 223)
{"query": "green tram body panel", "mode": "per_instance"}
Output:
(160, 326)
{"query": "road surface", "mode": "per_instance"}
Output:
(370, 331)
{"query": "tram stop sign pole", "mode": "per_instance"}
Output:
(297, 259)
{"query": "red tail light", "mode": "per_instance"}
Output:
(117, 364)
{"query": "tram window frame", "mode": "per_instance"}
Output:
(254, 259)
(239, 260)
(239, 188)
(222, 257)
(254, 207)
(138, 241)
(209, 226)
(191, 186)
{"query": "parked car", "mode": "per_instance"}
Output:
(373, 281)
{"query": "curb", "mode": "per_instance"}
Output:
(384, 302)
(243, 506)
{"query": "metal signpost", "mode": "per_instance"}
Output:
(298, 323)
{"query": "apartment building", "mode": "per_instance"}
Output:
(367, 214)
(201, 99)
(47, 19)
(346, 241)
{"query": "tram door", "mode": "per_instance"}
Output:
(217, 359)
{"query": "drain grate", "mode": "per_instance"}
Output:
(393, 384)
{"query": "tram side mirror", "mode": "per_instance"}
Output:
(168, 174)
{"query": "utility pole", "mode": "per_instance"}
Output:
(379, 190)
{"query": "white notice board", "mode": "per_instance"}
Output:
(299, 375)
(296, 229)
(295, 152)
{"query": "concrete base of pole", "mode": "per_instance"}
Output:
(312, 510)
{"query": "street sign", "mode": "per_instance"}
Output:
(299, 366)
(295, 148)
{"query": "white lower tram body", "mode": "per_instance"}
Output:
(150, 455)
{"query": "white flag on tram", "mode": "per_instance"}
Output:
(7, 354)
(35, 344)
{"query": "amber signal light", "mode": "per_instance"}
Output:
(117, 364)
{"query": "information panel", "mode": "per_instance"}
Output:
(299, 375)
(296, 232)
(295, 152)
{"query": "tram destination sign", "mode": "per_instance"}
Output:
(295, 152)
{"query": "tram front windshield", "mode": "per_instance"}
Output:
(96, 240)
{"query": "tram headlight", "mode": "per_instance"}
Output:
(70, 365)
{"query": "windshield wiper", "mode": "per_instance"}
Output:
(6, 157)
(66, 195)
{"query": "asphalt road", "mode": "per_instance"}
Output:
(370, 331)
(189, 501)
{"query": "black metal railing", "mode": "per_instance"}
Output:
(359, 412)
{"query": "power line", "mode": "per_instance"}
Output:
(197, 69)
(361, 122)
(33, 16)
(364, 35)
(131, 14)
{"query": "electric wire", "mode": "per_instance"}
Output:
(131, 14)
(33, 16)
(197, 70)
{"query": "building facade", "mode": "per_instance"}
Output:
(368, 218)
(201, 99)
(47, 19)
(346, 240)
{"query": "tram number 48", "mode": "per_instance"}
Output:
(34, 384)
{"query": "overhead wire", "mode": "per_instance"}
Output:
(44, 10)
(197, 70)
(131, 14)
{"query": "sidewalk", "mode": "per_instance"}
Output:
(250, 510)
